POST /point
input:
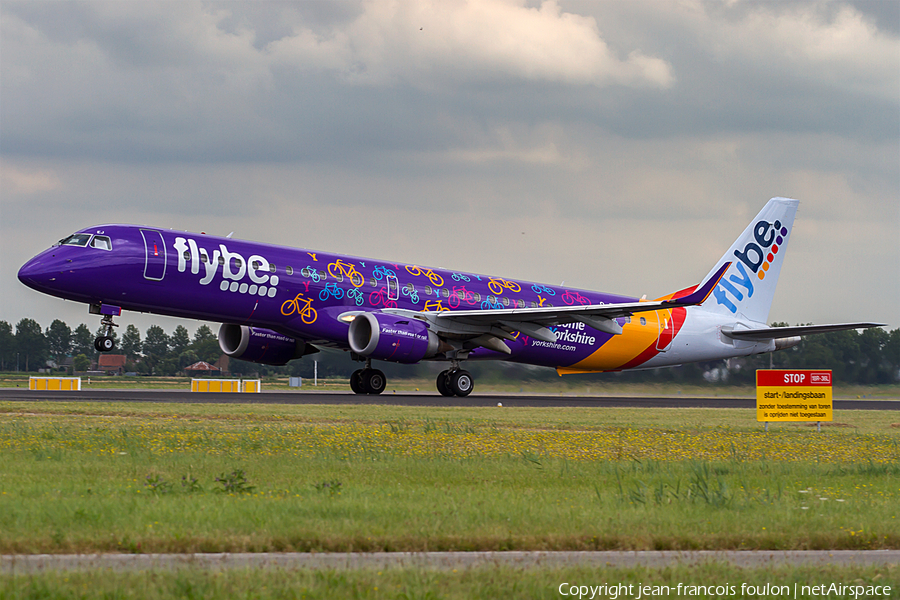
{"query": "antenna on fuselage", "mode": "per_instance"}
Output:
(229, 235)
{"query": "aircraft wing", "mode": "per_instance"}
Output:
(774, 333)
(486, 327)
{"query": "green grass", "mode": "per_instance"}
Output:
(142, 478)
(405, 583)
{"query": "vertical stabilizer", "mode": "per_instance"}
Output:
(748, 286)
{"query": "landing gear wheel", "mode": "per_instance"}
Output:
(443, 384)
(356, 382)
(104, 343)
(461, 383)
(373, 381)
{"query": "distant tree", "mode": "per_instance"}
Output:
(156, 346)
(81, 363)
(131, 342)
(7, 346)
(31, 343)
(180, 340)
(891, 351)
(206, 345)
(59, 340)
(203, 333)
(83, 341)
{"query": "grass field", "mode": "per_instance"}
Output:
(122, 477)
(488, 583)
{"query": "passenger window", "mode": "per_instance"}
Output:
(204, 257)
(289, 270)
(271, 267)
(187, 254)
(221, 261)
(427, 290)
(627, 320)
(445, 292)
(477, 297)
(534, 304)
(255, 265)
(643, 321)
(506, 302)
(373, 282)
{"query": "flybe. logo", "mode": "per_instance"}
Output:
(756, 256)
(234, 268)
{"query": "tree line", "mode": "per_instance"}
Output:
(869, 357)
(30, 347)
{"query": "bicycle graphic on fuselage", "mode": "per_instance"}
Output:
(302, 306)
(497, 285)
(339, 269)
(434, 277)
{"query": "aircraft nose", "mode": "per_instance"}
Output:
(34, 273)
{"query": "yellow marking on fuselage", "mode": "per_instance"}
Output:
(622, 348)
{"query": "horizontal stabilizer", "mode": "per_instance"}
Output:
(774, 333)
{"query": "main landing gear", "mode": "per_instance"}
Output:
(452, 382)
(368, 380)
(455, 382)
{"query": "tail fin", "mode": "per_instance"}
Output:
(748, 286)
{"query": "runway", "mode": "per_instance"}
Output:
(412, 399)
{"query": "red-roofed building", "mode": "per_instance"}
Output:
(112, 364)
(202, 368)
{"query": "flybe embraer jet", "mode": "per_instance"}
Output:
(277, 304)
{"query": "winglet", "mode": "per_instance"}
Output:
(700, 295)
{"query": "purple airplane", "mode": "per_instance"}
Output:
(277, 304)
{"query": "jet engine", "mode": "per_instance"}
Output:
(258, 345)
(390, 337)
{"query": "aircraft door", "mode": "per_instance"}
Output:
(154, 255)
(666, 330)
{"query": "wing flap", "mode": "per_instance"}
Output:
(774, 333)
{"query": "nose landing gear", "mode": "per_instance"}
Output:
(106, 342)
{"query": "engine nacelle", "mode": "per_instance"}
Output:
(258, 345)
(390, 337)
(788, 342)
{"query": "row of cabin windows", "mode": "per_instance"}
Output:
(408, 289)
(236, 263)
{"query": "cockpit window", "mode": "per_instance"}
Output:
(77, 239)
(102, 242)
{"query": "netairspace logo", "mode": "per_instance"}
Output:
(757, 256)
(234, 268)
(613, 591)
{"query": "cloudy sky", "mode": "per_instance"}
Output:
(619, 146)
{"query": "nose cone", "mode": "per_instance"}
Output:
(34, 273)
